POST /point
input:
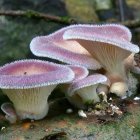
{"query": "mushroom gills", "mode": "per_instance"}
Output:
(30, 103)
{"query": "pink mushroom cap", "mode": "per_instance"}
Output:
(55, 47)
(70, 51)
(79, 71)
(33, 73)
(88, 81)
(116, 35)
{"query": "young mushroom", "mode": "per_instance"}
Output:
(9, 110)
(110, 46)
(85, 89)
(80, 73)
(28, 83)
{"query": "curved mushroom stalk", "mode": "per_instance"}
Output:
(28, 83)
(30, 103)
(9, 110)
(109, 45)
(85, 89)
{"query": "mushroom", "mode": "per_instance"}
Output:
(9, 110)
(80, 73)
(28, 83)
(110, 45)
(83, 91)
(53, 46)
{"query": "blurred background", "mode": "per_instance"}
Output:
(16, 32)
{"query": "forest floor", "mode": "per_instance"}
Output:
(60, 125)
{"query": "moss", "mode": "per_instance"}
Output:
(127, 127)
(31, 13)
(81, 10)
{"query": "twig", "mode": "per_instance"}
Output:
(121, 10)
(35, 14)
(64, 20)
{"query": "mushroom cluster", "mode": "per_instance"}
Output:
(106, 50)
(105, 46)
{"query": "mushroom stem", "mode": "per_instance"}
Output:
(118, 78)
(117, 72)
(30, 103)
(89, 94)
(9, 110)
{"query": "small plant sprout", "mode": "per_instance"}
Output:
(85, 89)
(103, 90)
(110, 45)
(28, 83)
